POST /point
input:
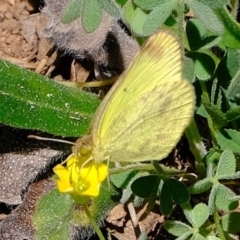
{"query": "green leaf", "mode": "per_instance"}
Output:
(178, 190)
(121, 180)
(204, 65)
(215, 3)
(157, 17)
(137, 21)
(72, 11)
(211, 199)
(211, 157)
(199, 215)
(148, 5)
(228, 67)
(126, 194)
(170, 21)
(52, 215)
(198, 236)
(230, 222)
(201, 186)
(145, 23)
(235, 175)
(231, 35)
(124, 181)
(210, 41)
(212, 238)
(166, 202)
(111, 7)
(154, 195)
(121, 2)
(233, 114)
(216, 94)
(196, 34)
(91, 15)
(226, 164)
(31, 101)
(233, 61)
(223, 199)
(228, 139)
(188, 69)
(144, 186)
(201, 110)
(90, 12)
(218, 117)
(57, 213)
(196, 31)
(128, 11)
(177, 228)
(233, 92)
(207, 16)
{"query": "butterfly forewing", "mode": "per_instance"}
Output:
(145, 113)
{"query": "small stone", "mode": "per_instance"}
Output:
(25, 12)
(2, 39)
(10, 24)
(1, 16)
(8, 15)
(15, 30)
(8, 51)
(4, 7)
(20, 6)
(29, 6)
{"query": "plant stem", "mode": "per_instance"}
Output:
(218, 225)
(93, 222)
(197, 146)
(146, 167)
(180, 19)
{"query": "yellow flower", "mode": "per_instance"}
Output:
(81, 178)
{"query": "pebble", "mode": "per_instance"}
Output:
(8, 15)
(4, 7)
(9, 24)
(2, 39)
(1, 16)
(25, 13)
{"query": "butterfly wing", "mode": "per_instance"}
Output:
(145, 113)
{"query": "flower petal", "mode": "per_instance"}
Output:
(81, 177)
(93, 174)
(63, 183)
(92, 190)
(102, 171)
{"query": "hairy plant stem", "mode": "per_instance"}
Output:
(146, 167)
(93, 222)
(218, 225)
(197, 146)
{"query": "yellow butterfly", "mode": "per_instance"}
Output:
(147, 110)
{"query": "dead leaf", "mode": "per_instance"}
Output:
(22, 160)
(108, 46)
(18, 225)
(18, 170)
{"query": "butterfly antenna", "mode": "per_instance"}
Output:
(50, 139)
